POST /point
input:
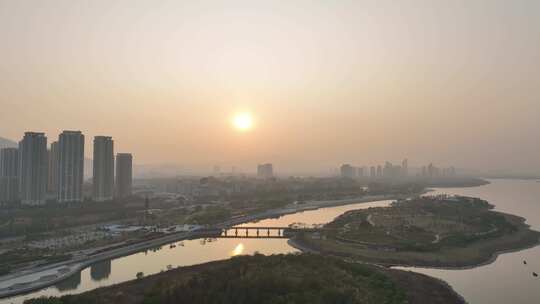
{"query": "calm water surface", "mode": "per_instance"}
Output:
(506, 280)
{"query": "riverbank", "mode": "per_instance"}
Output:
(459, 183)
(478, 253)
(420, 285)
(36, 279)
(312, 205)
(299, 278)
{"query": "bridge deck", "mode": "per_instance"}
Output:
(259, 232)
(243, 236)
(255, 228)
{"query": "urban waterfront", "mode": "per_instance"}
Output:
(477, 285)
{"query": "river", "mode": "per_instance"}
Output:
(506, 280)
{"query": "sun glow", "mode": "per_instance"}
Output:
(243, 121)
(238, 250)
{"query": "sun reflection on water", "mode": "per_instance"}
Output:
(238, 250)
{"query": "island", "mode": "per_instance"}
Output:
(292, 278)
(430, 231)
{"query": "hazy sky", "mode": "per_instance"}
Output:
(453, 82)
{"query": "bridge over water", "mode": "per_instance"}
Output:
(260, 232)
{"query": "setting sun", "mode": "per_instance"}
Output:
(243, 121)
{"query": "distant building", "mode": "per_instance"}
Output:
(379, 171)
(103, 180)
(372, 172)
(347, 171)
(432, 170)
(9, 175)
(451, 171)
(387, 170)
(360, 172)
(405, 167)
(392, 171)
(124, 174)
(265, 171)
(217, 170)
(52, 181)
(33, 168)
(70, 166)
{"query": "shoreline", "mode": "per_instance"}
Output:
(442, 282)
(489, 261)
(306, 248)
(401, 266)
(293, 243)
(478, 262)
(83, 263)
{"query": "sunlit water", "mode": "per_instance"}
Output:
(506, 280)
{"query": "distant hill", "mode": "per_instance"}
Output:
(6, 143)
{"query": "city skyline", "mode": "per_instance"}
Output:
(35, 172)
(104, 145)
(171, 170)
(363, 81)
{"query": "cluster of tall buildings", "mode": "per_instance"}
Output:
(32, 173)
(433, 171)
(387, 171)
(391, 171)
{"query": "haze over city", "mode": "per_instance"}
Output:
(324, 82)
(263, 152)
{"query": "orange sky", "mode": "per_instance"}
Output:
(457, 82)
